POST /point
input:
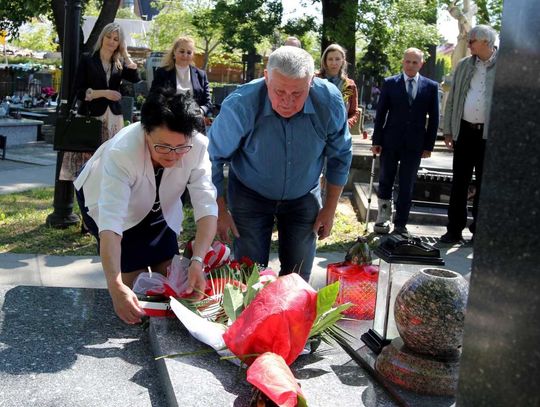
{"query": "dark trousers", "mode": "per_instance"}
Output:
(255, 217)
(469, 150)
(409, 162)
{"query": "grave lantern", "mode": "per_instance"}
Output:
(399, 259)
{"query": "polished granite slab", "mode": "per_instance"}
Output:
(500, 364)
(328, 377)
(65, 347)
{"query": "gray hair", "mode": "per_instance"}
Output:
(292, 62)
(483, 33)
(416, 51)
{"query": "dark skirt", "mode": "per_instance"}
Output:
(148, 243)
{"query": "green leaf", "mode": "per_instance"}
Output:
(326, 298)
(328, 319)
(233, 301)
(301, 402)
(251, 292)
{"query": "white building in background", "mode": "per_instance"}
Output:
(135, 30)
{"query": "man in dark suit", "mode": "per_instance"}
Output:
(401, 136)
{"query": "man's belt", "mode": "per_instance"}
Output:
(473, 126)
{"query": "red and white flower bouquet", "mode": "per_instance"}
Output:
(263, 322)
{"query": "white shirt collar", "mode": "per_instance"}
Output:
(415, 77)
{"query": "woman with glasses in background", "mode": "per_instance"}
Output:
(178, 72)
(129, 195)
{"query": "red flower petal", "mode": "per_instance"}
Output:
(270, 374)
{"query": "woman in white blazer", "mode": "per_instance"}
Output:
(129, 194)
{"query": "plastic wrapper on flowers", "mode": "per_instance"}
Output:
(272, 376)
(156, 287)
(278, 320)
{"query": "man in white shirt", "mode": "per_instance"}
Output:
(465, 126)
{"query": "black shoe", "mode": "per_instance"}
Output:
(449, 237)
(401, 230)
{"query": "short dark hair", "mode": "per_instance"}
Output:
(163, 107)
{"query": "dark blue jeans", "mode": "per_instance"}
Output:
(255, 217)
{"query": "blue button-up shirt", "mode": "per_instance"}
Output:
(281, 158)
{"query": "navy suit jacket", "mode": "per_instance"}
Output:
(399, 125)
(199, 81)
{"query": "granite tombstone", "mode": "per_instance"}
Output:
(500, 363)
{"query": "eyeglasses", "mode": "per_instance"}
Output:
(164, 149)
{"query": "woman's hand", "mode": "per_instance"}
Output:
(196, 280)
(113, 95)
(126, 304)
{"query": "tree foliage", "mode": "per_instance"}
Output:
(490, 13)
(246, 22)
(172, 21)
(391, 26)
(206, 30)
(39, 37)
(339, 26)
(14, 13)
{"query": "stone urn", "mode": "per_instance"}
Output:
(429, 312)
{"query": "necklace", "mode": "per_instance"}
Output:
(157, 205)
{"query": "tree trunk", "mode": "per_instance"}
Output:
(106, 16)
(339, 26)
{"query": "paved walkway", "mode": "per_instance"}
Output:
(34, 165)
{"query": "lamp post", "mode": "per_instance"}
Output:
(63, 215)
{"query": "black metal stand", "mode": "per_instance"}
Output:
(374, 341)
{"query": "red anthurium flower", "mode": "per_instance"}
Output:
(271, 375)
(277, 320)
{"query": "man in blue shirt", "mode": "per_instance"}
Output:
(275, 133)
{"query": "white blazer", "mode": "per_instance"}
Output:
(119, 184)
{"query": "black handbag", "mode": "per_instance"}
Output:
(77, 133)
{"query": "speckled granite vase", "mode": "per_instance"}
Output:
(429, 312)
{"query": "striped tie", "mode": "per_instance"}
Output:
(410, 90)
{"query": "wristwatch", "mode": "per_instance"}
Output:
(196, 258)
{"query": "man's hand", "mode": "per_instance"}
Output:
(426, 154)
(449, 141)
(196, 280)
(225, 223)
(126, 304)
(324, 222)
(376, 150)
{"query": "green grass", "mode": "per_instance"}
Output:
(23, 228)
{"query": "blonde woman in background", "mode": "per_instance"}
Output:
(178, 72)
(97, 87)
